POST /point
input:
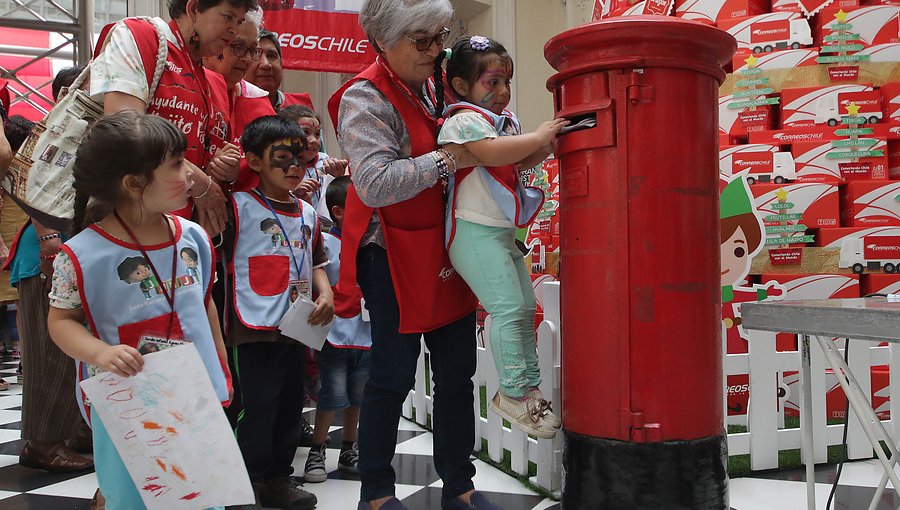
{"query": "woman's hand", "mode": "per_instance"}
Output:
(226, 164)
(122, 360)
(48, 251)
(335, 167)
(463, 157)
(212, 211)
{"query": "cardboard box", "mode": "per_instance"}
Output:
(870, 204)
(893, 155)
(794, 6)
(879, 284)
(890, 101)
(773, 30)
(713, 11)
(835, 401)
(817, 133)
(874, 24)
(813, 164)
(834, 237)
(781, 59)
(803, 107)
(738, 123)
(754, 157)
(817, 203)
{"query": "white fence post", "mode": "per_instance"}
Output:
(762, 408)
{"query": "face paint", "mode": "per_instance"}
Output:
(293, 146)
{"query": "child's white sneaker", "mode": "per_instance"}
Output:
(535, 393)
(315, 471)
(523, 414)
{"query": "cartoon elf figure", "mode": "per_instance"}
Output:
(741, 239)
(137, 270)
(270, 226)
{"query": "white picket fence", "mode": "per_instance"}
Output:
(766, 435)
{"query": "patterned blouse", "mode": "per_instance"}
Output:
(375, 139)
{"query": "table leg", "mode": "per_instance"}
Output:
(862, 407)
(806, 423)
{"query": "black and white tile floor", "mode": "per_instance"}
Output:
(418, 484)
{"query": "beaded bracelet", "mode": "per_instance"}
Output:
(208, 186)
(47, 257)
(450, 157)
(49, 237)
(441, 164)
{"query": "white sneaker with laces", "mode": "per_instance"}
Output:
(315, 471)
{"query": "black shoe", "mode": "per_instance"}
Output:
(306, 432)
(284, 493)
(257, 489)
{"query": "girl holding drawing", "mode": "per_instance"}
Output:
(131, 167)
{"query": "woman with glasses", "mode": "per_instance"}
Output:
(243, 100)
(267, 74)
(393, 248)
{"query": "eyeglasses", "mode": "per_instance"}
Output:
(423, 43)
(240, 50)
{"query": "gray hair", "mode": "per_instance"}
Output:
(254, 16)
(389, 20)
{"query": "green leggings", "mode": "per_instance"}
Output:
(489, 261)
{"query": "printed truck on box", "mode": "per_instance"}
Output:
(784, 59)
(810, 106)
(772, 29)
(766, 36)
(838, 161)
(777, 167)
(832, 108)
(870, 253)
(747, 154)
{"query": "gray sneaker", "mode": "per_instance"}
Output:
(315, 471)
(285, 494)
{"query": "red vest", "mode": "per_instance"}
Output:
(430, 293)
(183, 96)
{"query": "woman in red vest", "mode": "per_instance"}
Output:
(393, 247)
(122, 71)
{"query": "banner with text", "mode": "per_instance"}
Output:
(319, 35)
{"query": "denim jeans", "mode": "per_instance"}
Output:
(392, 376)
(343, 372)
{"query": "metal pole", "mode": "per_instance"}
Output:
(806, 422)
(85, 30)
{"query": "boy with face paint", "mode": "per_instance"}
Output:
(272, 263)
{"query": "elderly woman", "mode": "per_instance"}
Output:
(245, 101)
(393, 247)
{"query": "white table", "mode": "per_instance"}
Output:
(873, 319)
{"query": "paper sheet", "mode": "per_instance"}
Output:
(295, 324)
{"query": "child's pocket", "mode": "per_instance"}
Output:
(269, 274)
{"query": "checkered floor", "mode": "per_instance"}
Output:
(418, 484)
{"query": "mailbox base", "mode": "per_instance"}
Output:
(674, 475)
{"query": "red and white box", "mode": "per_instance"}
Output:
(876, 24)
(870, 204)
(890, 101)
(737, 158)
(626, 8)
(893, 155)
(713, 11)
(813, 164)
(882, 52)
(835, 402)
(805, 107)
(738, 123)
(817, 203)
(879, 284)
(782, 59)
(818, 133)
(835, 237)
(767, 32)
(794, 5)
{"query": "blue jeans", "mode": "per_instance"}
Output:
(343, 372)
(392, 376)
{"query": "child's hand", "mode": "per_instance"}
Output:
(547, 131)
(122, 360)
(226, 164)
(324, 311)
(335, 167)
(307, 185)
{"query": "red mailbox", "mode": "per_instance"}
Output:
(639, 261)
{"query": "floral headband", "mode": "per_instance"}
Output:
(479, 43)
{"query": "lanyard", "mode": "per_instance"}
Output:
(284, 232)
(405, 88)
(169, 298)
